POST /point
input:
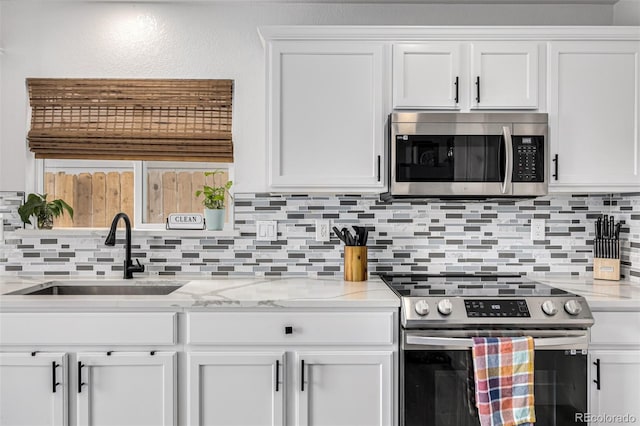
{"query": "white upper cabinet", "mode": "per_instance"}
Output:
(594, 93)
(330, 90)
(462, 75)
(426, 75)
(326, 117)
(504, 75)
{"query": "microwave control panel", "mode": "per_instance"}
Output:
(505, 308)
(528, 159)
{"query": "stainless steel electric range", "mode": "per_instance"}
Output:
(441, 313)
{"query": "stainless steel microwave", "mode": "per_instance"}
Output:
(467, 155)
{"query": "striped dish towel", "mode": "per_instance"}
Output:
(503, 370)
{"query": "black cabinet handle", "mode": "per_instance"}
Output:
(302, 375)
(80, 382)
(555, 160)
(597, 379)
(277, 375)
(288, 330)
(456, 84)
(54, 381)
(378, 168)
(478, 89)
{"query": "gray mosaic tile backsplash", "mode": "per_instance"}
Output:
(9, 203)
(427, 237)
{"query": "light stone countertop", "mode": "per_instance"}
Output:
(217, 292)
(207, 293)
(601, 295)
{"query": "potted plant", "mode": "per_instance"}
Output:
(44, 211)
(213, 202)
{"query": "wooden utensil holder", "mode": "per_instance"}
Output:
(606, 269)
(355, 263)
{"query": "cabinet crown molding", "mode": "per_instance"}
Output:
(425, 33)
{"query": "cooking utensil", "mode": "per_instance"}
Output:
(611, 227)
(339, 234)
(348, 238)
(358, 235)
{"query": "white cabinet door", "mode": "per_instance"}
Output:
(236, 389)
(504, 75)
(33, 389)
(325, 116)
(594, 115)
(126, 388)
(618, 393)
(344, 388)
(426, 75)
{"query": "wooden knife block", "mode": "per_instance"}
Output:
(606, 269)
(355, 263)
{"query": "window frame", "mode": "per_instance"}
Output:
(139, 168)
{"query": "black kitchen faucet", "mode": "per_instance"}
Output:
(129, 267)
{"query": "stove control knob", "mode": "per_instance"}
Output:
(422, 308)
(573, 307)
(549, 308)
(444, 306)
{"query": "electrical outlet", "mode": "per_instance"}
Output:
(322, 230)
(266, 230)
(537, 229)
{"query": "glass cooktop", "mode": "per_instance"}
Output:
(420, 285)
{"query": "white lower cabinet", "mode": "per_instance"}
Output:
(332, 388)
(33, 389)
(126, 388)
(344, 388)
(277, 367)
(614, 392)
(614, 368)
(236, 388)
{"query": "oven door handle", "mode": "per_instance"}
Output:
(467, 343)
(508, 167)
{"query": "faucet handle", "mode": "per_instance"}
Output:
(140, 266)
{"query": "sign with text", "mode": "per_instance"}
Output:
(185, 221)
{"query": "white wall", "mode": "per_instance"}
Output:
(197, 40)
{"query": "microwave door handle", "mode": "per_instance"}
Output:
(508, 160)
(467, 343)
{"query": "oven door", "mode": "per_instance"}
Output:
(437, 383)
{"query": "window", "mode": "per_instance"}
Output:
(139, 146)
(146, 191)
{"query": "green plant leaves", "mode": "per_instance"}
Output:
(37, 205)
(214, 195)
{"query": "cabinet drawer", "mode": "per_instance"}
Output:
(248, 328)
(616, 328)
(82, 328)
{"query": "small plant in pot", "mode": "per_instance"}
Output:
(44, 211)
(213, 201)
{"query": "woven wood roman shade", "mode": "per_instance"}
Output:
(113, 119)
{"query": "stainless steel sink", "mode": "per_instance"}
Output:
(98, 288)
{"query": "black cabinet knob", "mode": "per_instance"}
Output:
(288, 330)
